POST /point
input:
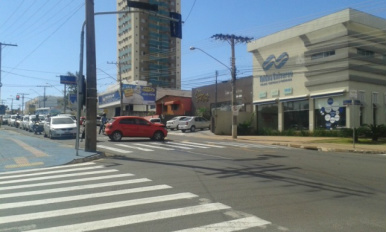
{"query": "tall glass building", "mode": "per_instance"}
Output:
(146, 50)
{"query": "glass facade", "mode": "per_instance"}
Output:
(296, 115)
(267, 116)
(330, 113)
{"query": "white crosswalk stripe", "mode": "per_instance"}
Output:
(40, 205)
(181, 145)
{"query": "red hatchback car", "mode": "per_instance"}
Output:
(133, 126)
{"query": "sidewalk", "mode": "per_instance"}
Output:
(311, 143)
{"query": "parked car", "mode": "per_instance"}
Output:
(155, 120)
(12, 120)
(59, 126)
(24, 123)
(69, 115)
(173, 123)
(133, 126)
(193, 123)
(32, 120)
(6, 119)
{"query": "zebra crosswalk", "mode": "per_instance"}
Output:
(73, 198)
(180, 145)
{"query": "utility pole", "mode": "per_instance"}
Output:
(1, 45)
(119, 64)
(44, 93)
(11, 105)
(232, 40)
(22, 101)
(91, 92)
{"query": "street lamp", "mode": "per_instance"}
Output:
(234, 127)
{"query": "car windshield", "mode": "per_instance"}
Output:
(62, 121)
(186, 119)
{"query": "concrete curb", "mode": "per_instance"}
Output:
(98, 155)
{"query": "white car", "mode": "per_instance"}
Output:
(173, 123)
(59, 126)
(24, 123)
(32, 120)
(193, 123)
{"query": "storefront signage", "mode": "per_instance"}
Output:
(132, 94)
(287, 91)
(278, 63)
(263, 94)
(275, 93)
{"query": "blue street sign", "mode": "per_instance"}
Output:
(68, 80)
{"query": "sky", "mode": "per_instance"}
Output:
(47, 35)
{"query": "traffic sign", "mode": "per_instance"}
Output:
(68, 80)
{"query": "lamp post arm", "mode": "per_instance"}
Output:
(194, 48)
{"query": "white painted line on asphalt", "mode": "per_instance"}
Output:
(139, 218)
(173, 146)
(229, 226)
(57, 176)
(132, 147)
(49, 172)
(114, 149)
(93, 208)
(208, 145)
(190, 145)
(65, 181)
(158, 147)
(72, 188)
(81, 197)
(44, 169)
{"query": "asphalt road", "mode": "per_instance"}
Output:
(278, 188)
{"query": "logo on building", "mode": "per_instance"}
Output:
(277, 62)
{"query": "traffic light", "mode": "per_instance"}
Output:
(17, 97)
(175, 27)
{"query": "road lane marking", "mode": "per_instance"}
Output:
(93, 208)
(134, 219)
(132, 147)
(208, 145)
(114, 149)
(64, 182)
(190, 145)
(173, 146)
(81, 197)
(30, 149)
(158, 147)
(72, 188)
(22, 162)
(56, 176)
(229, 226)
(49, 172)
(43, 169)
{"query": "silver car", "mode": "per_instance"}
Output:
(59, 126)
(173, 123)
(193, 123)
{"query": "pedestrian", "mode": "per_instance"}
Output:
(103, 122)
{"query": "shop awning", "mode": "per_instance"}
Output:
(328, 94)
(266, 101)
(172, 103)
(294, 98)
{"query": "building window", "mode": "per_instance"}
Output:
(267, 118)
(296, 115)
(365, 53)
(322, 55)
(361, 96)
(174, 107)
(374, 98)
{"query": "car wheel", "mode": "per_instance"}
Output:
(193, 129)
(50, 135)
(183, 130)
(159, 136)
(116, 136)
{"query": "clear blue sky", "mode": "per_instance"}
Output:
(47, 34)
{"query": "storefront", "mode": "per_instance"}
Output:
(328, 73)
